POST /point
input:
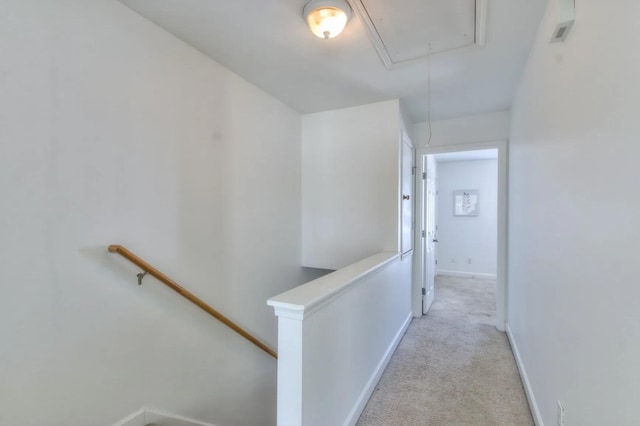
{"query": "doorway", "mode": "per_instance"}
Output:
(465, 211)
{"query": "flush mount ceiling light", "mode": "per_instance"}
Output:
(327, 18)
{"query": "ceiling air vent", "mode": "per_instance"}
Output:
(410, 30)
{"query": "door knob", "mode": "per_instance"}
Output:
(435, 240)
(406, 197)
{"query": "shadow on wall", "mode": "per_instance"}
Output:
(310, 274)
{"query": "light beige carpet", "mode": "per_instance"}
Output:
(452, 367)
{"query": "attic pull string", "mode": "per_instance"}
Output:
(429, 93)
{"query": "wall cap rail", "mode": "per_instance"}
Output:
(299, 303)
(148, 269)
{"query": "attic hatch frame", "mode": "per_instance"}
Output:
(375, 38)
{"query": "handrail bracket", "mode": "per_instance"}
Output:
(140, 276)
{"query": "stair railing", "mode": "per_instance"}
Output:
(148, 269)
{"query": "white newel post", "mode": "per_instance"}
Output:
(290, 345)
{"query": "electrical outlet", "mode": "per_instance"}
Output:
(453, 260)
(560, 414)
(469, 260)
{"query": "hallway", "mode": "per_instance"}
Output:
(452, 366)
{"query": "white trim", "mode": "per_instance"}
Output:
(146, 416)
(481, 22)
(466, 274)
(533, 405)
(288, 311)
(405, 139)
(409, 253)
(383, 53)
(152, 415)
(502, 287)
(301, 302)
(366, 393)
(134, 419)
(466, 146)
(418, 240)
(372, 32)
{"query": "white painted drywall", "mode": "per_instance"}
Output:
(574, 217)
(336, 335)
(470, 129)
(473, 237)
(406, 124)
(350, 184)
(114, 131)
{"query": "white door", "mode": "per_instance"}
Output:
(429, 231)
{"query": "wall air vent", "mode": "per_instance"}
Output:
(566, 17)
(405, 31)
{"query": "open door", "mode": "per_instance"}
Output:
(428, 231)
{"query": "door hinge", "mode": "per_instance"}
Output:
(424, 175)
(436, 261)
(413, 170)
(424, 234)
(424, 291)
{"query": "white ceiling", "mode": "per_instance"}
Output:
(268, 43)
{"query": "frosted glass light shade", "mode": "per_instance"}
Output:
(327, 19)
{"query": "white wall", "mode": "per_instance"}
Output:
(113, 131)
(574, 227)
(473, 237)
(470, 129)
(350, 184)
(406, 124)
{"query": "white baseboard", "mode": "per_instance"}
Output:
(533, 405)
(467, 274)
(366, 393)
(134, 419)
(146, 416)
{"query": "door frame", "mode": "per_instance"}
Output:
(406, 140)
(501, 273)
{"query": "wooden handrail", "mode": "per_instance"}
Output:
(124, 252)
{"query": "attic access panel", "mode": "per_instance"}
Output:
(401, 30)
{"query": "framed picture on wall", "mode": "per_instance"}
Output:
(465, 202)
